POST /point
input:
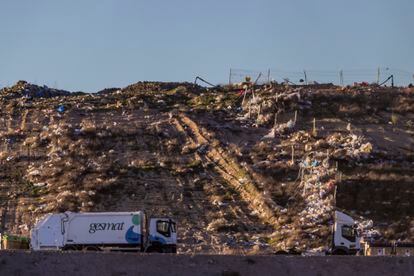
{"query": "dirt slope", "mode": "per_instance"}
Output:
(217, 161)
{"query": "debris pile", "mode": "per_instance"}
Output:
(250, 170)
(23, 89)
(349, 147)
(318, 180)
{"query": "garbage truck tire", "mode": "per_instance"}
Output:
(339, 251)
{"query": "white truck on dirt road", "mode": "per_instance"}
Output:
(114, 231)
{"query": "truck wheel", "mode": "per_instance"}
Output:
(91, 248)
(71, 248)
(339, 252)
(167, 250)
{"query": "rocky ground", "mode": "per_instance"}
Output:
(251, 172)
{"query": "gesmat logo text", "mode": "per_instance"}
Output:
(93, 227)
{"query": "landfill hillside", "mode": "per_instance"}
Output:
(253, 172)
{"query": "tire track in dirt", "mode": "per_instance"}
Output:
(230, 171)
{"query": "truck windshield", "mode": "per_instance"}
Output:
(349, 233)
(173, 230)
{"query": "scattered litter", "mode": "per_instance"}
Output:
(60, 109)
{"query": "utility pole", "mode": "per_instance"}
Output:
(306, 77)
(230, 77)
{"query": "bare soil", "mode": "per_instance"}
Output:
(201, 156)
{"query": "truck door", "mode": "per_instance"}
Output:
(346, 238)
(162, 232)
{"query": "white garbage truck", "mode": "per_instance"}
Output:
(114, 231)
(346, 237)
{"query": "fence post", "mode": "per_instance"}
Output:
(306, 77)
(268, 76)
(378, 75)
(341, 77)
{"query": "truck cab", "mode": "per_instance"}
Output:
(346, 239)
(162, 236)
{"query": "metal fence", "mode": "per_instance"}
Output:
(339, 77)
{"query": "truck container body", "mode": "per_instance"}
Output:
(104, 228)
(109, 230)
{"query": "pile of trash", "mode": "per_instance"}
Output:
(148, 86)
(23, 89)
(319, 177)
(317, 187)
(367, 231)
(349, 147)
(262, 106)
(242, 152)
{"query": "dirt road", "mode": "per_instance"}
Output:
(64, 263)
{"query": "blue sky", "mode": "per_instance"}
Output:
(92, 44)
